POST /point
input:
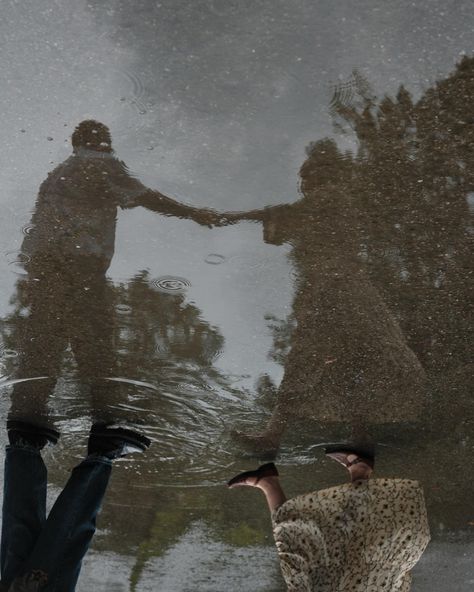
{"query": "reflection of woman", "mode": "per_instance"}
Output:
(349, 361)
(363, 536)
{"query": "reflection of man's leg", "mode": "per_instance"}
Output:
(41, 342)
(93, 340)
(24, 504)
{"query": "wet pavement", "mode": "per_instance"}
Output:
(275, 256)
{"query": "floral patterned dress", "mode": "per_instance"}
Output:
(357, 537)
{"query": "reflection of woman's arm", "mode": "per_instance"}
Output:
(262, 215)
(278, 222)
(252, 215)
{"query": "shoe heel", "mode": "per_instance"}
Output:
(266, 470)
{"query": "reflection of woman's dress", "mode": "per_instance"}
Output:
(349, 358)
(357, 537)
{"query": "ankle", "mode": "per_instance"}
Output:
(268, 483)
(360, 472)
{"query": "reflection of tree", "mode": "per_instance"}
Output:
(160, 332)
(411, 175)
(281, 334)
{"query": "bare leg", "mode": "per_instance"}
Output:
(360, 467)
(273, 491)
(359, 471)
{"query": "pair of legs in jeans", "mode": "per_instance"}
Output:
(55, 544)
(52, 548)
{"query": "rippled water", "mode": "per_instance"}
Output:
(17, 260)
(170, 284)
(214, 259)
(275, 256)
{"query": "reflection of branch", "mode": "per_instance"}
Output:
(281, 330)
(345, 95)
(166, 529)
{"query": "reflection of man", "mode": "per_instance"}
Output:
(77, 204)
(39, 552)
(68, 251)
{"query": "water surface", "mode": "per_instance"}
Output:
(350, 275)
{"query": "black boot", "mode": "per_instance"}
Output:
(30, 435)
(114, 442)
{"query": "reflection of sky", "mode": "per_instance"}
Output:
(213, 102)
(233, 295)
(187, 566)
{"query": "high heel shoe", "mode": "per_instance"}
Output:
(341, 452)
(267, 470)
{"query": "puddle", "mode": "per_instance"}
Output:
(335, 171)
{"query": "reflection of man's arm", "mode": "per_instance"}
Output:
(130, 193)
(161, 204)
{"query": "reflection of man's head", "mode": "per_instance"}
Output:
(92, 135)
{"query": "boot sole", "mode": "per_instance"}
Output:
(122, 434)
(31, 428)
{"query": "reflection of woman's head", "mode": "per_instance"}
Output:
(92, 135)
(324, 165)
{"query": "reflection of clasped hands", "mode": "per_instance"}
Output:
(212, 219)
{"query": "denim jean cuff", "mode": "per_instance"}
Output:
(28, 448)
(96, 458)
